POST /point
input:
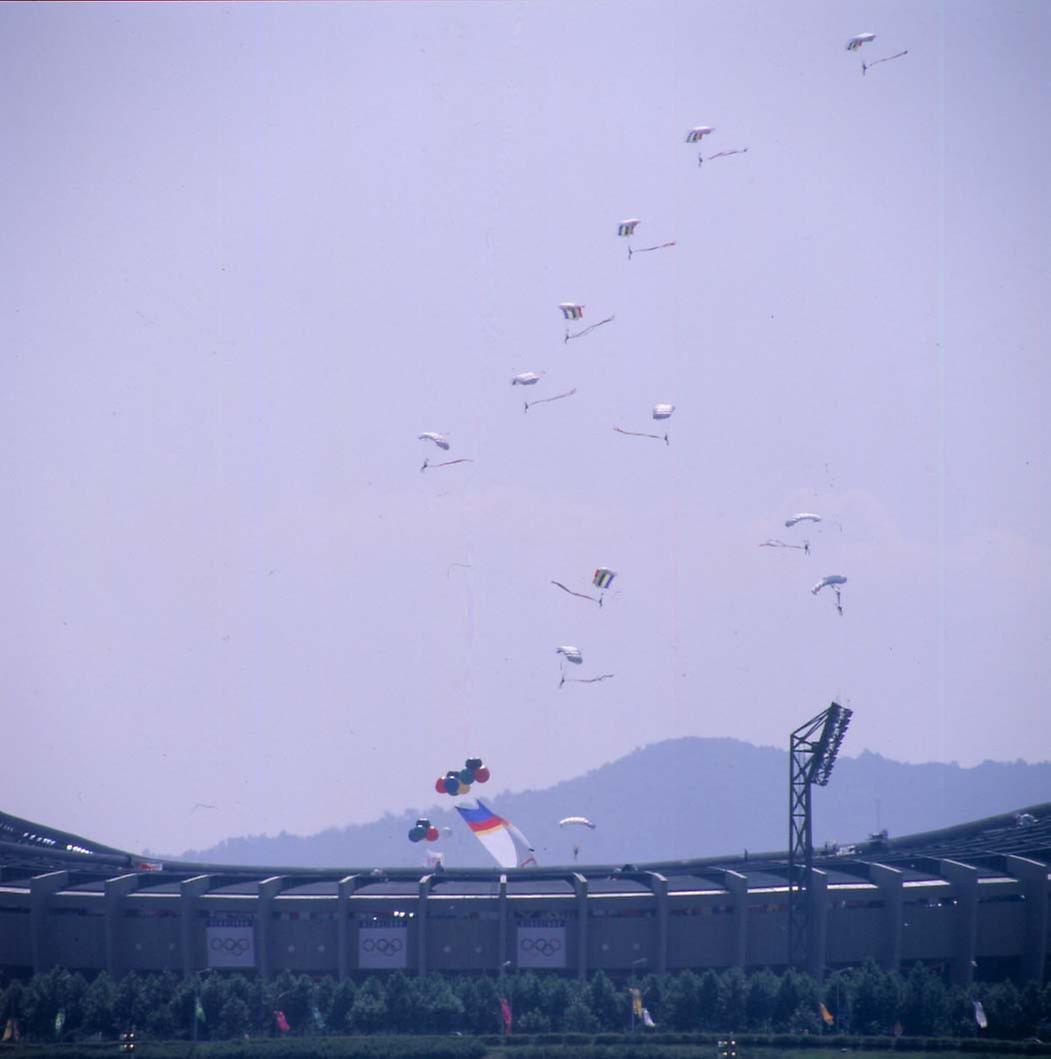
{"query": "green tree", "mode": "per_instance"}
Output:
(534, 1021)
(684, 1001)
(337, 1017)
(761, 1001)
(98, 1005)
(235, 1019)
(368, 1014)
(607, 1004)
(579, 1017)
(923, 1007)
(733, 999)
(439, 1008)
(875, 1000)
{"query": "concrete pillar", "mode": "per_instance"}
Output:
(964, 879)
(659, 885)
(346, 949)
(421, 924)
(41, 887)
(189, 891)
(580, 889)
(890, 882)
(817, 913)
(737, 887)
(268, 889)
(115, 892)
(501, 943)
(1033, 877)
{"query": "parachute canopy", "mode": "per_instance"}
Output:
(803, 516)
(572, 311)
(862, 38)
(603, 577)
(526, 378)
(663, 411)
(698, 133)
(572, 654)
(504, 842)
(627, 227)
(439, 439)
(576, 821)
(825, 582)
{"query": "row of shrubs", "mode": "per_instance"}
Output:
(65, 1006)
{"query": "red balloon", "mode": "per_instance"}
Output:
(440, 785)
(481, 775)
(432, 834)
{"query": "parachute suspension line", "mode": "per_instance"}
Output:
(557, 397)
(580, 334)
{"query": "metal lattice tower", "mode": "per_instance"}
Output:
(812, 753)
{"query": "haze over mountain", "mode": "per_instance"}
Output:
(689, 797)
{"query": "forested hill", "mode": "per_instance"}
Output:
(680, 798)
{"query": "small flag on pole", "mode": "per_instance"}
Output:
(647, 1020)
(60, 1021)
(979, 1015)
(282, 1022)
(636, 1002)
(826, 1016)
(505, 1013)
(198, 1010)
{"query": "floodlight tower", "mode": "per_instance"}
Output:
(812, 753)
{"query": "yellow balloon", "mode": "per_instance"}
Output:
(464, 788)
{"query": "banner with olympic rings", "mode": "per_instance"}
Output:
(230, 941)
(541, 947)
(380, 947)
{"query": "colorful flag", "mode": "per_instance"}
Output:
(647, 1021)
(12, 1031)
(198, 1009)
(506, 844)
(319, 1021)
(282, 1022)
(979, 1015)
(60, 1021)
(505, 1013)
(636, 1002)
(826, 1016)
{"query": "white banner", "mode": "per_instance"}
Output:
(541, 946)
(380, 947)
(230, 942)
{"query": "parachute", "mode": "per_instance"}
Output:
(577, 825)
(503, 841)
(602, 579)
(833, 581)
(698, 133)
(571, 311)
(570, 653)
(627, 228)
(439, 439)
(527, 378)
(803, 516)
(663, 411)
(856, 42)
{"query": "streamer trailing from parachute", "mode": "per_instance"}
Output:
(868, 66)
(833, 581)
(502, 840)
(546, 400)
(456, 782)
(626, 229)
(773, 542)
(572, 311)
(721, 154)
(602, 579)
(448, 463)
(698, 133)
(660, 412)
(573, 654)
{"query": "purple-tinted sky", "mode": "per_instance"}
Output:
(251, 251)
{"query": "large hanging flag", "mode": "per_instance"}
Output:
(60, 1021)
(198, 1010)
(505, 1013)
(979, 1015)
(826, 1016)
(636, 1002)
(505, 843)
(647, 1020)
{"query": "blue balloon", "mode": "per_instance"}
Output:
(452, 784)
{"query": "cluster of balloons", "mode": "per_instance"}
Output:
(459, 782)
(423, 829)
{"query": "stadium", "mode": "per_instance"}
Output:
(971, 900)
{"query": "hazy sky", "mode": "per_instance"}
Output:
(250, 252)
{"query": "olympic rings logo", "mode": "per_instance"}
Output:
(541, 946)
(233, 946)
(384, 946)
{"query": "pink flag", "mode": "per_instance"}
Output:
(505, 1013)
(282, 1022)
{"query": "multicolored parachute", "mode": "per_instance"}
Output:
(627, 228)
(603, 577)
(504, 842)
(571, 311)
(698, 133)
(458, 781)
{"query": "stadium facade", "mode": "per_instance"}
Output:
(971, 899)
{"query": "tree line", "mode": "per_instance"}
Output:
(864, 1000)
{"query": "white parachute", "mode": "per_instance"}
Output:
(832, 581)
(858, 39)
(570, 653)
(663, 411)
(527, 378)
(803, 516)
(577, 826)
(441, 440)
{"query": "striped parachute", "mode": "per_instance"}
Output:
(571, 311)
(698, 133)
(626, 228)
